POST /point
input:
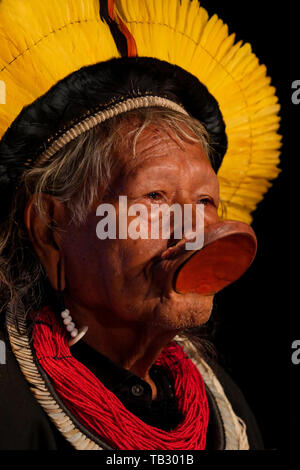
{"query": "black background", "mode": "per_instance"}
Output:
(258, 316)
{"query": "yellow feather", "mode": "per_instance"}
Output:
(199, 24)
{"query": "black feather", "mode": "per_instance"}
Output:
(119, 38)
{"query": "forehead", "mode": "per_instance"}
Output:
(141, 147)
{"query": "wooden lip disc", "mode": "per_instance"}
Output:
(218, 264)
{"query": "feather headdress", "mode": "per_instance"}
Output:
(42, 43)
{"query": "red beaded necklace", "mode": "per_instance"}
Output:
(100, 411)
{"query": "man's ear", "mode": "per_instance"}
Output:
(44, 236)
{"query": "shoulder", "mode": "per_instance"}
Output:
(23, 423)
(226, 399)
(239, 405)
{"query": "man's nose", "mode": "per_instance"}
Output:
(192, 213)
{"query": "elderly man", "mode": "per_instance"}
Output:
(98, 323)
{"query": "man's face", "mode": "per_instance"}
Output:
(114, 279)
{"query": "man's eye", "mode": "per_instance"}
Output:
(154, 195)
(205, 201)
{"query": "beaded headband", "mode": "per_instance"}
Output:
(92, 121)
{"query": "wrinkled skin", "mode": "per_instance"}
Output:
(109, 284)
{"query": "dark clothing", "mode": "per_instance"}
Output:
(132, 391)
(25, 425)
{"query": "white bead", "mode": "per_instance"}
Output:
(70, 326)
(74, 333)
(65, 313)
(68, 320)
(77, 338)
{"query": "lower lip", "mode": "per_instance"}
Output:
(217, 265)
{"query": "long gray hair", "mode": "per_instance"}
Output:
(73, 176)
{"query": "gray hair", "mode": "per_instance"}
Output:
(73, 176)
